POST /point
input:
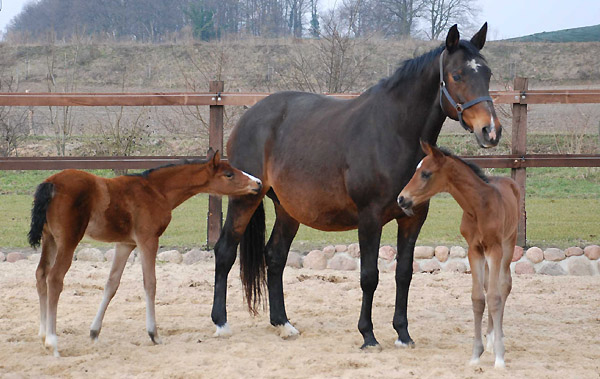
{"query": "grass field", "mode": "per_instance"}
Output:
(563, 209)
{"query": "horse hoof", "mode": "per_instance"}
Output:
(369, 348)
(410, 344)
(474, 361)
(499, 364)
(223, 331)
(155, 338)
(287, 331)
(94, 335)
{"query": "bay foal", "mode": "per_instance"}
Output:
(131, 210)
(489, 224)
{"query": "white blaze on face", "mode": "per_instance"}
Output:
(420, 164)
(473, 65)
(255, 179)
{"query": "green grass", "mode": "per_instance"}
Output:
(563, 209)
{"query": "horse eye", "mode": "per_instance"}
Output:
(425, 175)
(228, 174)
(456, 77)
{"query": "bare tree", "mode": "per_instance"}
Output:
(405, 14)
(13, 122)
(440, 14)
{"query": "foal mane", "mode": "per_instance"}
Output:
(476, 169)
(146, 173)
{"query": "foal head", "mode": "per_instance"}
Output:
(429, 179)
(464, 87)
(225, 179)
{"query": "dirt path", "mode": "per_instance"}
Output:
(552, 327)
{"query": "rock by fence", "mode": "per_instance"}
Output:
(552, 261)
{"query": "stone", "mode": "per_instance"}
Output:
(416, 267)
(424, 252)
(340, 248)
(2, 257)
(329, 251)
(535, 254)
(90, 254)
(524, 268)
(342, 261)
(554, 255)
(456, 266)
(294, 259)
(197, 255)
(387, 252)
(579, 266)
(430, 265)
(110, 255)
(354, 250)
(592, 252)
(457, 252)
(574, 251)
(552, 268)
(315, 260)
(442, 253)
(170, 256)
(517, 253)
(14, 256)
(35, 257)
(386, 266)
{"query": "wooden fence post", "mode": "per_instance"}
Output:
(519, 147)
(214, 222)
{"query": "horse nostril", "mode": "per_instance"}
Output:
(400, 200)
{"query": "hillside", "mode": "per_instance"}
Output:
(583, 34)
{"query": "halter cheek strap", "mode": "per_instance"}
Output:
(459, 107)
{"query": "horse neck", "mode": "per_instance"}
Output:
(466, 187)
(179, 183)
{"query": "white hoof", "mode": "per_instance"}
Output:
(223, 331)
(404, 345)
(500, 364)
(52, 343)
(474, 361)
(287, 331)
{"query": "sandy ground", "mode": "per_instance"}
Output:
(552, 327)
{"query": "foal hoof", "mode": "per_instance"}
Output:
(155, 338)
(499, 364)
(474, 362)
(223, 331)
(410, 344)
(94, 335)
(287, 331)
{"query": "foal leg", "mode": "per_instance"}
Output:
(278, 247)
(41, 274)
(149, 249)
(477, 263)
(120, 259)
(369, 237)
(408, 231)
(239, 212)
(494, 300)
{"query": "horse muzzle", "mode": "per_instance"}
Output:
(406, 204)
(489, 135)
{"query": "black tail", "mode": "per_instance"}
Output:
(41, 201)
(252, 259)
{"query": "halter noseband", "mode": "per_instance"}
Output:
(459, 107)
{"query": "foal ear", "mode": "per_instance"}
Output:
(426, 147)
(216, 159)
(210, 154)
(452, 38)
(479, 38)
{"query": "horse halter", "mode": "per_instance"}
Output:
(459, 107)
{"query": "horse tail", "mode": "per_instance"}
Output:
(41, 201)
(252, 259)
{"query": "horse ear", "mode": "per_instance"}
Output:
(452, 38)
(426, 147)
(478, 39)
(210, 154)
(437, 154)
(216, 159)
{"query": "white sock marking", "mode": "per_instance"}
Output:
(223, 331)
(287, 330)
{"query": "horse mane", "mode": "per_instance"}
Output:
(146, 173)
(412, 67)
(476, 169)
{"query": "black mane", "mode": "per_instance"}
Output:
(476, 169)
(145, 174)
(413, 67)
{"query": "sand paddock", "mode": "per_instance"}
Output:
(552, 327)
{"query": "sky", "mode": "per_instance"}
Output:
(506, 18)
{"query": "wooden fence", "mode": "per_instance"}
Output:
(216, 99)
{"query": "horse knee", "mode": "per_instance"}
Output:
(369, 279)
(478, 304)
(494, 302)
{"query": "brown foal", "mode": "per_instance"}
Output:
(489, 224)
(131, 210)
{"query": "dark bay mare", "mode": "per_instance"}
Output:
(337, 165)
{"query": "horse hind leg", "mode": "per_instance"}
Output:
(148, 255)
(41, 274)
(122, 252)
(495, 304)
(477, 263)
(277, 250)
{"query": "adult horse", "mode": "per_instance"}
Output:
(339, 164)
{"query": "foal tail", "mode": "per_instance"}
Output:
(41, 201)
(252, 259)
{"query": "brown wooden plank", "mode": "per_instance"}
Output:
(215, 142)
(106, 99)
(519, 147)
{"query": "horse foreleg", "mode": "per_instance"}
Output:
(122, 252)
(478, 270)
(278, 247)
(369, 237)
(148, 254)
(408, 231)
(494, 300)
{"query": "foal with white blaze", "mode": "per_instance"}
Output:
(489, 224)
